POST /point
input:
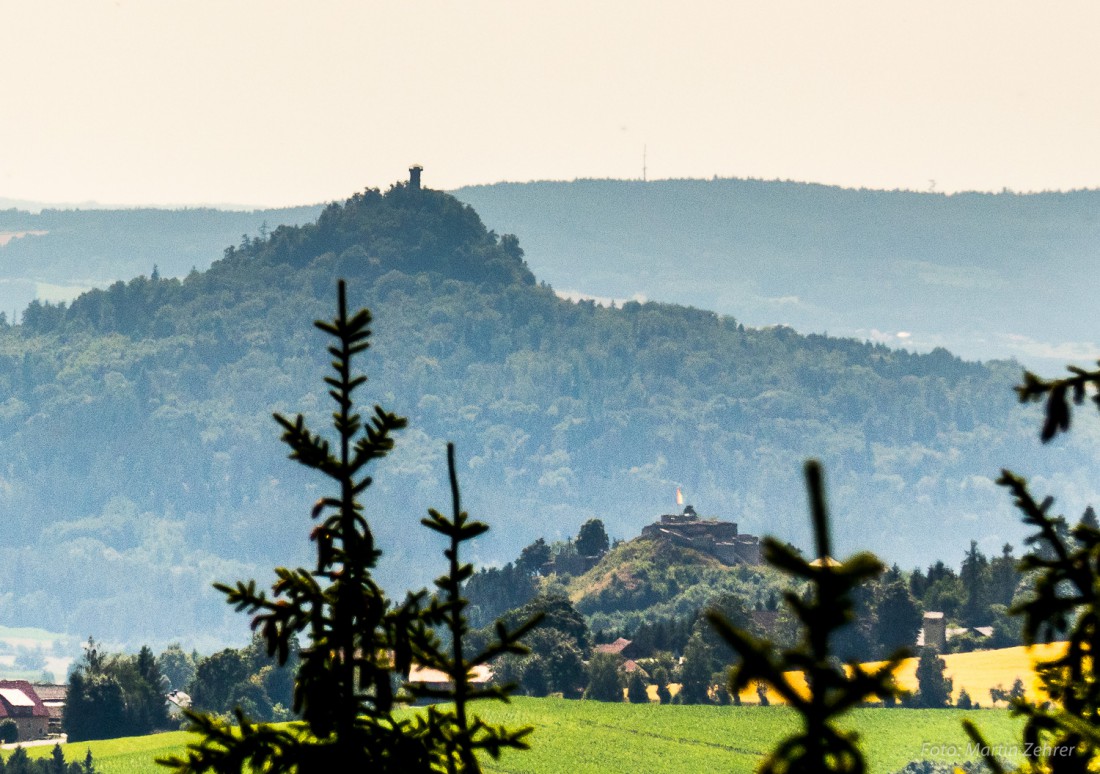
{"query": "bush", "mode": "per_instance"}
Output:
(660, 679)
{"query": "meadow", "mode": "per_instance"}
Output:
(587, 737)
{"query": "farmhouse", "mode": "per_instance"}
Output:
(20, 702)
(480, 675)
(720, 539)
(53, 697)
(935, 633)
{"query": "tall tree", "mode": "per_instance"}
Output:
(933, 686)
(1088, 518)
(699, 664)
(360, 644)
(216, 677)
(177, 665)
(604, 682)
(534, 557)
(635, 688)
(592, 539)
(1003, 577)
(899, 618)
(974, 575)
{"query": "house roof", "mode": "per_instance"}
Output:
(51, 692)
(18, 696)
(618, 646)
(481, 673)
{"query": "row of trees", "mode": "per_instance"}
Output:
(494, 591)
(114, 695)
(977, 594)
(117, 694)
(19, 762)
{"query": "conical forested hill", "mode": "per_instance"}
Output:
(140, 460)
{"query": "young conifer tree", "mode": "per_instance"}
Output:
(361, 647)
(1061, 735)
(820, 746)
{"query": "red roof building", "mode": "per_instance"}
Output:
(617, 647)
(20, 702)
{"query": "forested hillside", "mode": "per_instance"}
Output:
(984, 275)
(140, 460)
(53, 253)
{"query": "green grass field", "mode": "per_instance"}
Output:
(131, 755)
(582, 737)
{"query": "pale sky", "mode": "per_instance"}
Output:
(271, 103)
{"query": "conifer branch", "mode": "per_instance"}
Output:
(831, 691)
(362, 647)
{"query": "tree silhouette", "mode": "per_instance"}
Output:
(361, 646)
(933, 686)
(1063, 603)
(592, 539)
(820, 746)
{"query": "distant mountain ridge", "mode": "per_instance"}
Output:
(984, 275)
(137, 440)
(71, 250)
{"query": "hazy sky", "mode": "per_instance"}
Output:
(187, 101)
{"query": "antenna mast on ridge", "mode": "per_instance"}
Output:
(644, 149)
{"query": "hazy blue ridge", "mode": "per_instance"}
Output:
(141, 461)
(984, 275)
(70, 250)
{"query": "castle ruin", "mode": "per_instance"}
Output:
(719, 539)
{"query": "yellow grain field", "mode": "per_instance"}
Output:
(981, 670)
(975, 672)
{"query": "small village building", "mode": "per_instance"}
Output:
(178, 701)
(619, 647)
(434, 678)
(622, 648)
(53, 697)
(21, 703)
(933, 632)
